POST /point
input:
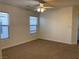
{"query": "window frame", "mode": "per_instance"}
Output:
(35, 31)
(6, 26)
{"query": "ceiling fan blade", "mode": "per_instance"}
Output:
(48, 7)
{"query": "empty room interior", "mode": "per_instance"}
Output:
(39, 29)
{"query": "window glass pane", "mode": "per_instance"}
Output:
(33, 24)
(0, 29)
(33, 31)
(4, 18)
(4, 32)
(32, 28)
(33, 20)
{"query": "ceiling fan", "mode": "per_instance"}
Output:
(43, 6)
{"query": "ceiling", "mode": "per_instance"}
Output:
(32, 3)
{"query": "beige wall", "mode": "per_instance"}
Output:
(19, 26)
(56, 25)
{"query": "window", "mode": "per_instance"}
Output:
(4, 25)
(33, 24)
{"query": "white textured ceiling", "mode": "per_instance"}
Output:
(21, 3)
(32, 3)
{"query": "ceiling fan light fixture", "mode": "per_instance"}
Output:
(42, 6)
(40, 10)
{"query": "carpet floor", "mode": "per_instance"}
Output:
(42, 49)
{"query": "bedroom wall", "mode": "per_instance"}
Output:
(19, 26)
(56, 25)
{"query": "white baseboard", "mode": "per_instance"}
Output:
(57, 41)
(31, 40)
(17, 44)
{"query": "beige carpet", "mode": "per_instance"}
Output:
(42, 49)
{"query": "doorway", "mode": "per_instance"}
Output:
(78, 31)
